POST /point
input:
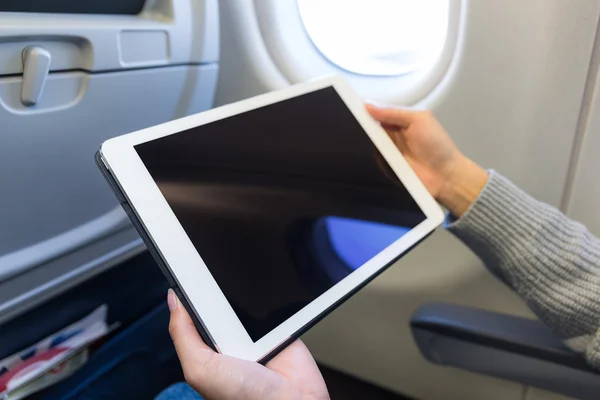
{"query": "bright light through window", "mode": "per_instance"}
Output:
(377, 37)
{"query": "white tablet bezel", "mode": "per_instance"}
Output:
(180, 255)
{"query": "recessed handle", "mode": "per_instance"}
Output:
(36, 64)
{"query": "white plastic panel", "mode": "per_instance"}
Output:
(144, 47)
(54, 199)
(511, 98)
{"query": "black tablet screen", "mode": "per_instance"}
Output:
(281, 202)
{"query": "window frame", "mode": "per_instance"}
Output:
(295, 56)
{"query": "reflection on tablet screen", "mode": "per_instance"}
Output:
(281, 202)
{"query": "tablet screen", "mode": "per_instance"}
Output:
(281, 202)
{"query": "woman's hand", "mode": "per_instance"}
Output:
(451, 178)
(292, 374)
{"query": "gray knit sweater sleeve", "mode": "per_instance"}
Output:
(552, 262)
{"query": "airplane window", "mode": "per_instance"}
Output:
(330, 248)
(377, 37)
(356, 242)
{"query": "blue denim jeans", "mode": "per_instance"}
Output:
(179, 391)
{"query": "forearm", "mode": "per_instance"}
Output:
(551, 261)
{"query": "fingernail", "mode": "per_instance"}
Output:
(172, 300)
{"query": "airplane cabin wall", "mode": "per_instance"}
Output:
(582, 197)
(511, 98)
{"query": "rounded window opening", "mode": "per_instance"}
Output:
(377, 37)
(355, 242)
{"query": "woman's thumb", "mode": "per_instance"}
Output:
(390, 115)
(185, 337)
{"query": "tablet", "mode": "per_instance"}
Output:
(267, 214)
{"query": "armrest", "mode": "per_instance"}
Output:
(514, 348)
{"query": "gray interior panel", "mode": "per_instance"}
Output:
(164, 33)
(69, 81)
(25, 291)
(54, 185)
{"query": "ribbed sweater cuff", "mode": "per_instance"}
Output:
(551, 261)
(491, 228)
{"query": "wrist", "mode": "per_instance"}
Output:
(462, 187)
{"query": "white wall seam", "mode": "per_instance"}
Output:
(590, 96)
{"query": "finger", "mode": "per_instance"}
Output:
(294, 358)
(396, 133)
(391, 116)
(298, 366)
(390, 128)
(190, 347)
(209, 373)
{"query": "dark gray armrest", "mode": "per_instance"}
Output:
(518, 349)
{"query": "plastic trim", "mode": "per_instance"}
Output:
(18, 262)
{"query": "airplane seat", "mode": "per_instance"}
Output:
(138, 348)
(503, 346)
